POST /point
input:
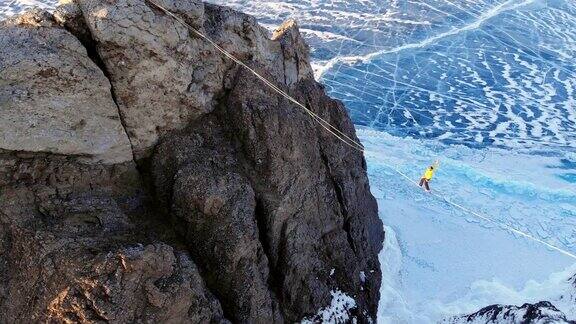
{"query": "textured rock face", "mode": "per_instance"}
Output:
(70, 248)
(541, 312)
(53, 98)
(163, 76)
(241, 208)
(291, 195)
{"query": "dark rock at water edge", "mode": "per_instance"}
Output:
(541, 312)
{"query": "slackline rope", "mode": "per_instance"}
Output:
(343, 137)
(473, 213)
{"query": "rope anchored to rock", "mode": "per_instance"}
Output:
(339, 134)
(322, 122)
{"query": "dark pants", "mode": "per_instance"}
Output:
(424, 182)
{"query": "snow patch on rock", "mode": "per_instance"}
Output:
(337, 312)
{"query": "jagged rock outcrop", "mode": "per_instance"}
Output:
(291, 193)
(70, 248)
(542, 312)
(163, 76)
(53, 97)
(167, 184)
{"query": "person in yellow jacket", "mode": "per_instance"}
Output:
(428, 174)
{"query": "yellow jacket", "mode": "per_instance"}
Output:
(430, 171)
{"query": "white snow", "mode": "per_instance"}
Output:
(393, 307)
(337, 311)
(556, 289)
(12, 7)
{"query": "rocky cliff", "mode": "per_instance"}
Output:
(146, 178)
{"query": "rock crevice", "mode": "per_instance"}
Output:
(70, 17)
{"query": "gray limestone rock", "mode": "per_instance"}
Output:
(53, 98)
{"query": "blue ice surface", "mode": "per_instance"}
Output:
(570, 177)
(446, 252)
(501, 83)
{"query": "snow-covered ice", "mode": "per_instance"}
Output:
(336, 312)
(439, 261)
